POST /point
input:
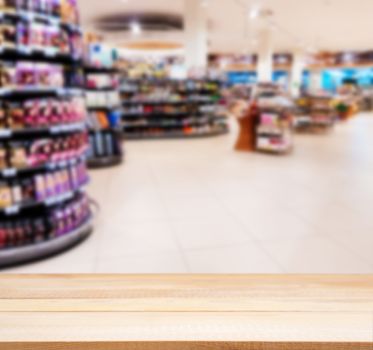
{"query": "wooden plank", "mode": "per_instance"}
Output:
(186, 346)
(186, 312)
(313, 287)
(189, 326)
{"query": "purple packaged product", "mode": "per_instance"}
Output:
(58, 183)
(23, 5)
(23, 37)
(50, 185)
(66, 222)
(55, 76)
(43, 74)
(35, 6)
(78, 176)
(65, 181)
(25, 75)
(74, 180)
(60, 223)
(69, 219)
(44, 6)
(55, 8)
(76, 214)
(40, 188)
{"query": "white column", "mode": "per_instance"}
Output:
(265, 58)
(296, 74)
(195, 27)
(315, 81)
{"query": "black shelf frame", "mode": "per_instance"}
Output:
(100, 70)
(56, 130)
(37, 55)
(35, 91)
(104, 162)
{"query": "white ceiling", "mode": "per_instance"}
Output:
(318, 24)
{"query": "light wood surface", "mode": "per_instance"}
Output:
(115, 312)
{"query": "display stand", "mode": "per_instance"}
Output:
(274, 130)
(154, 108)
(315, 114)
(104, 117)
(44, 209)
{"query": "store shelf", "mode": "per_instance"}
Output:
(168, 124)
(6, 134)
(175, 135)
(46, 198)
(13, 172)
(102, 89)
(38, 251)
(171, 108)
(100, 70)
(34, 91)
(36, 55)
(40, 18)
(156, 114)
(104, 162)
(103, 109)
(18, 209)
(167, 102)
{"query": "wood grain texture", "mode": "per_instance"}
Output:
(113, 312)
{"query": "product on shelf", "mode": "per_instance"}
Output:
(21, 75)
(315, 113)
(103, 103)
(29, 154)
(41, 112)
(102, 99)
(156, 107)
(104, 120)
(99, 55)
(42, 187)
(104, 144)
(57, 222)
(66, 10)
(26, 36)
(102, 81)
(274, 132)
(43, 137)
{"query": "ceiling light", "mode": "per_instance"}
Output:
(135, 28)
(254, 13)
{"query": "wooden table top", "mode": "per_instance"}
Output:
(115, 312)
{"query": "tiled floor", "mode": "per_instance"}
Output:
(197, 206)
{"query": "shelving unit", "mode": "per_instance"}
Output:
(274, 132)
(315, 114)
(104, 109)
(44, 209)
(166, 108)
(274, 119)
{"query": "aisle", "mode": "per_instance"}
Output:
(197, 206)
